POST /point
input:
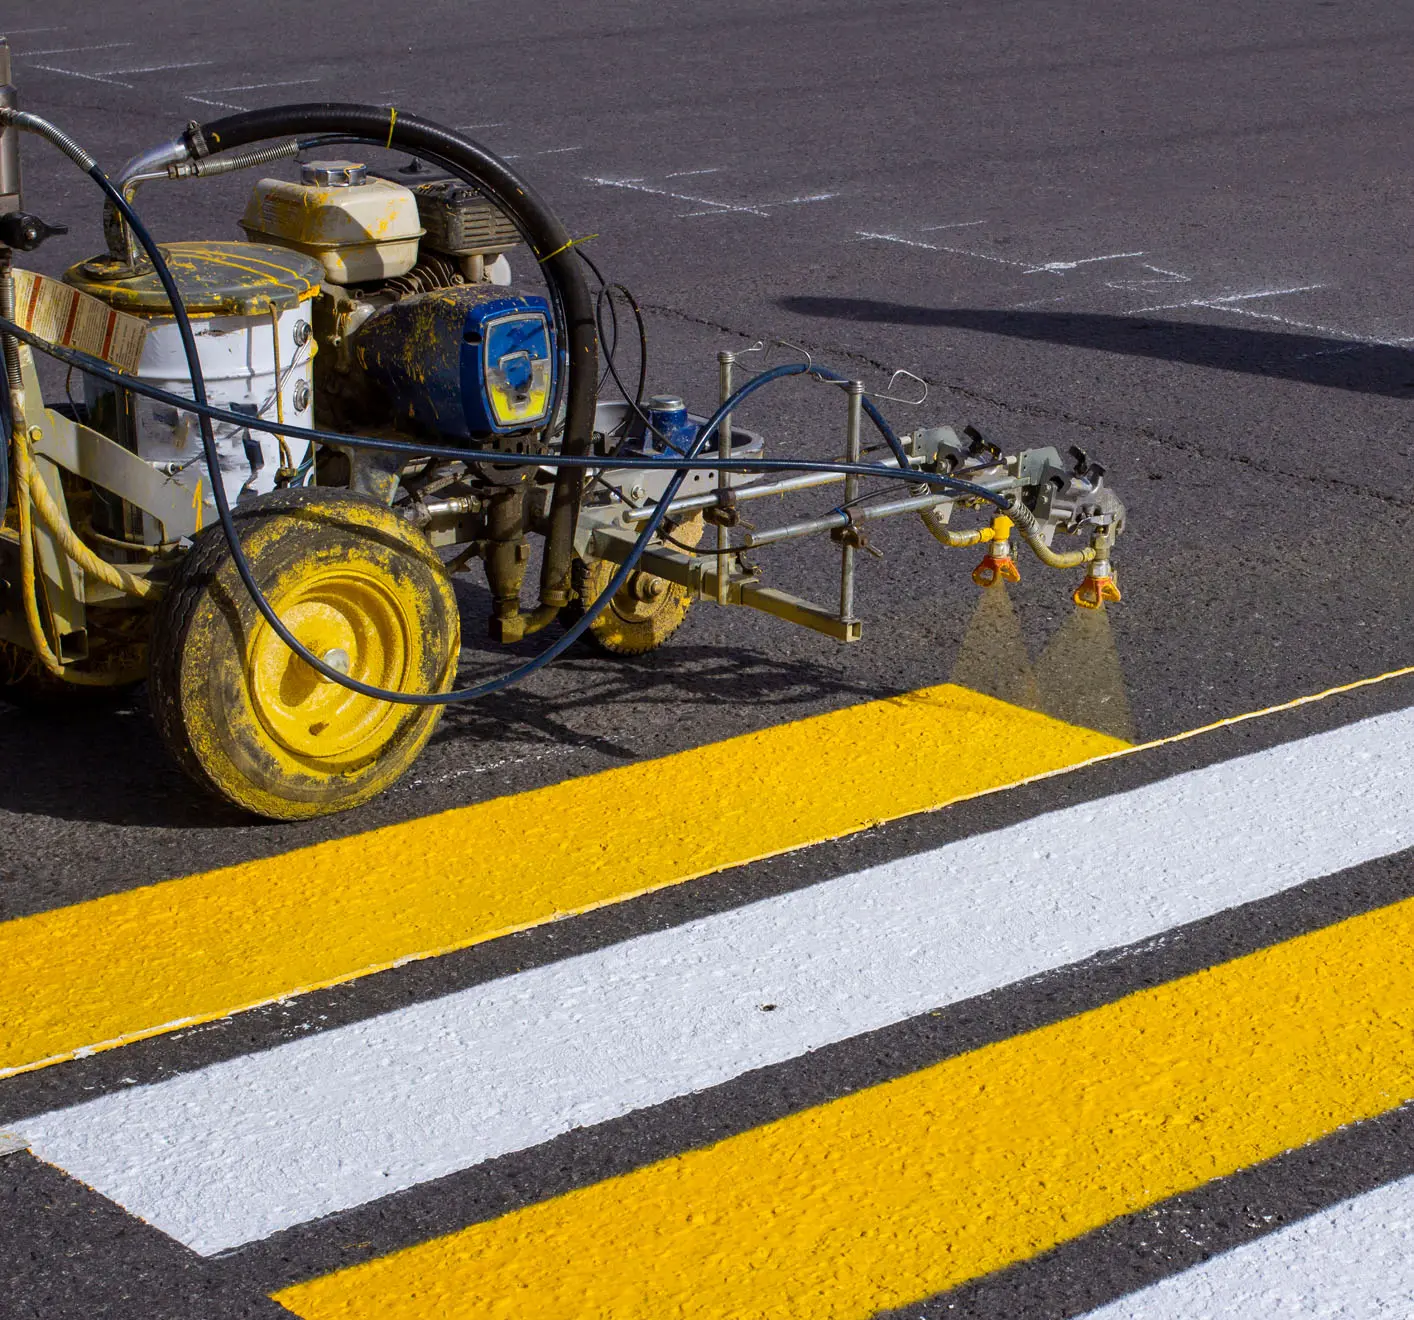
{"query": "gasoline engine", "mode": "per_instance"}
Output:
(287, 445)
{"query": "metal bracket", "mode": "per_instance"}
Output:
(700, 577)
(87, 453)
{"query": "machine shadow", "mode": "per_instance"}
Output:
(1356, 365)
(61, 764)
(687, 677)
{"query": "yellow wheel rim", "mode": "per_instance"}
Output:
(351, 618)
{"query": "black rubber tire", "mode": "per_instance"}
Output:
(220, 703)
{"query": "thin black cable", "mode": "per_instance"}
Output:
(944, 484)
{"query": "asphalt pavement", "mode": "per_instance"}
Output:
(1175, 236)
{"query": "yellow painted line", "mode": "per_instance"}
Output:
(909, 1188)
(116, 969)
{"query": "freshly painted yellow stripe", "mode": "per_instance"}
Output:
(115, 969)
(912, 1187)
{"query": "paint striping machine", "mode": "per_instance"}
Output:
(287, 445)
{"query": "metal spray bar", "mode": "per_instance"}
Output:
(1045, 498)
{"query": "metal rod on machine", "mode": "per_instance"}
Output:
(785, 486)
(725, 362)
(806, 481)
(855, 389)
(830, 521)
(9, 201)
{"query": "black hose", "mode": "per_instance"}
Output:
(547, 238)
(7, 427)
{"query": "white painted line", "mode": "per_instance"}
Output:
(241, 1149)
(1353, 1260)
(498, 123)
(686, 174)
(957, 224)
(224, 105)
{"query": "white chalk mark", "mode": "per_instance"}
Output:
(1358, 339)
(552, 151)
(792, 201)
(157, 68)
(74, 50)
(634, 185)
(259, 87)
(504, 763)
(1324, 353)
(933, 247)
(1227, 303)
(1226, 299)
(224, 105)
(1167, 277)
(714, 207)
(1038, 302)
(1083, 261)
(685, 174)
(87, 77)
(956, 224)
(495, 123)
(24, 32)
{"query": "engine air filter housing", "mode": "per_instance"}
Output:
(460, 222)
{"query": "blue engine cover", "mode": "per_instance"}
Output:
(472, 361)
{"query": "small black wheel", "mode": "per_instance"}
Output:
(358, 586)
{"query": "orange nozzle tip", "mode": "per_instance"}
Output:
(994, 569)
(1095, 591)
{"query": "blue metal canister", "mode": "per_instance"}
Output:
(667, 415)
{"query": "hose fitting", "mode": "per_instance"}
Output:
(1030, 531)
(997, 565)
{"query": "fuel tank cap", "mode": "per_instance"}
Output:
(333, 173)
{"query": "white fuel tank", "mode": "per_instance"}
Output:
(249, 307)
